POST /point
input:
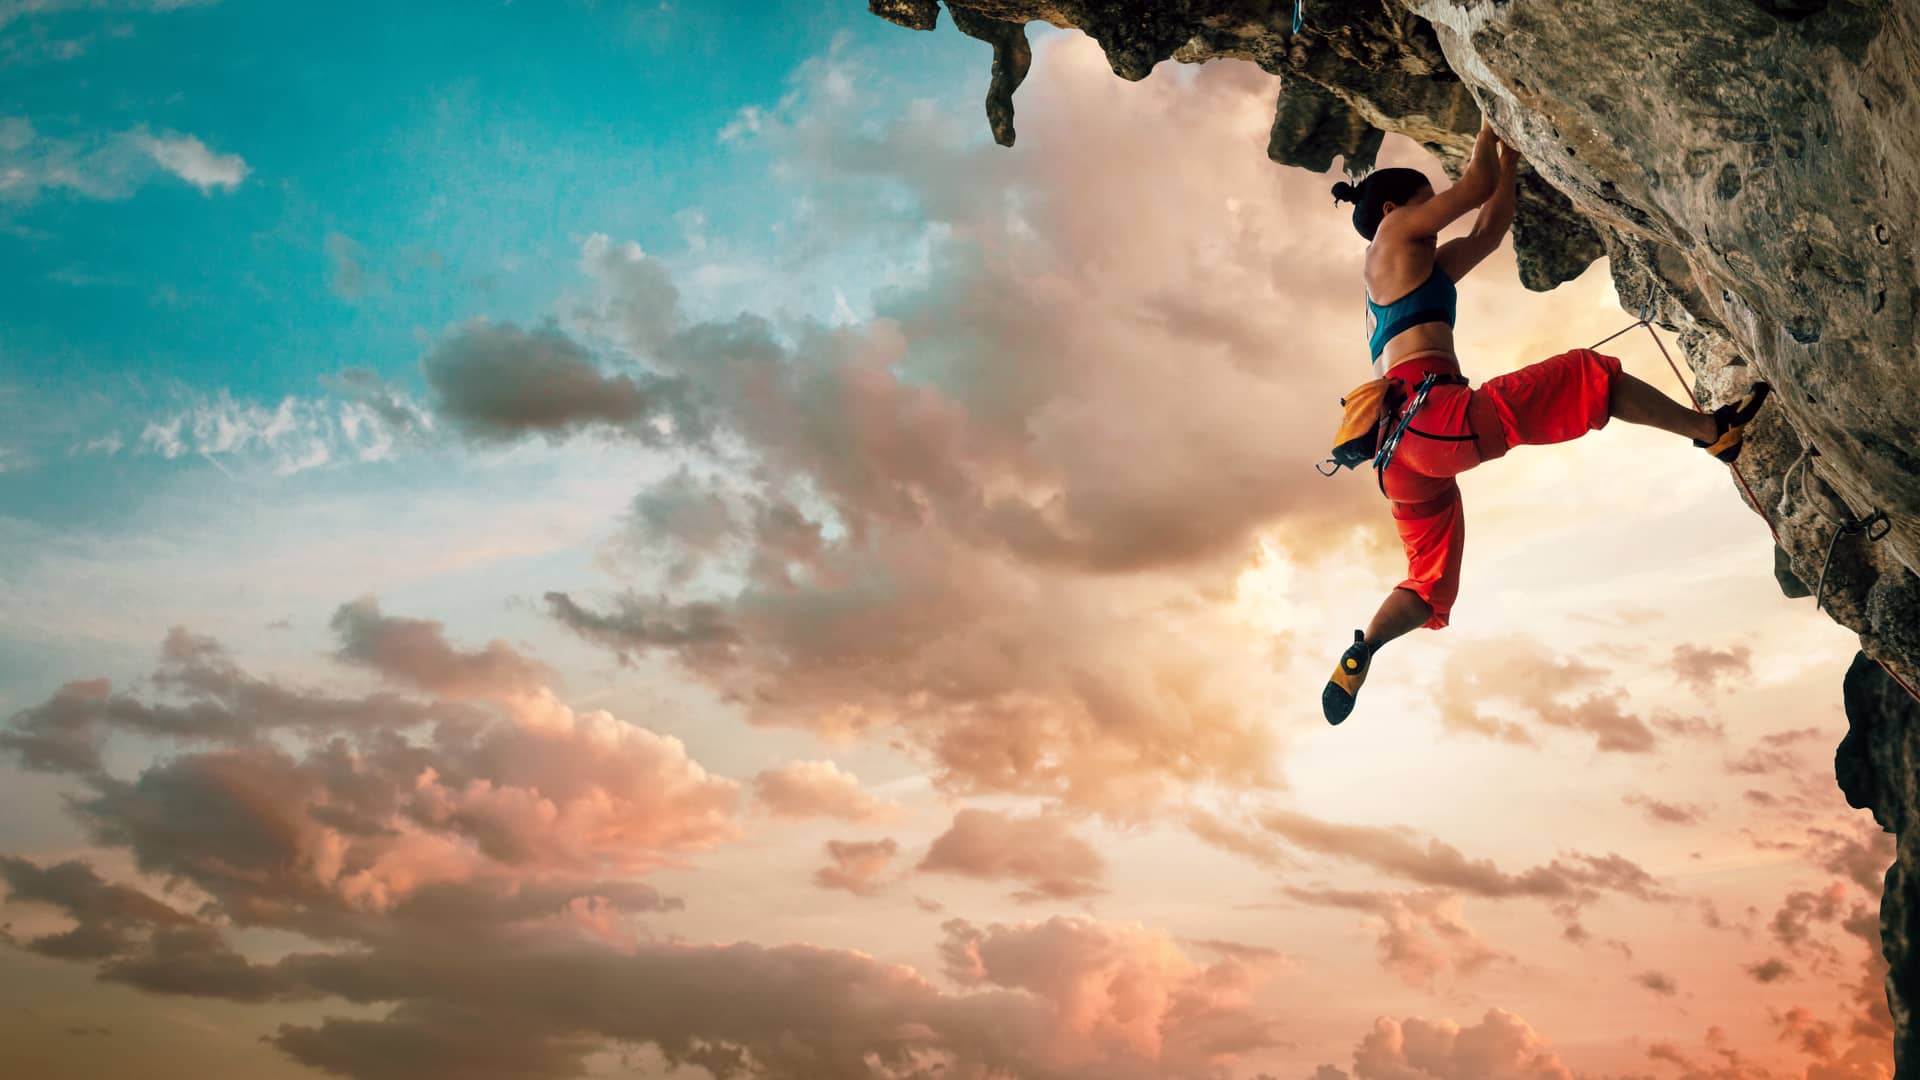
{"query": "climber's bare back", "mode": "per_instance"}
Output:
(1396, 265)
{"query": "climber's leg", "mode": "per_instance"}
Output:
(1401, 613)
(1433, 534)
(1636, 402)
(1557, 399)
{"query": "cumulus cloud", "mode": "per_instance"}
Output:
(1522, 671)
(1502, 1046)
(1041, 852)
(921, 508)
(1115, 985)
(384, 795)
(464, 872)
(858, 867)
(1422, 934)
(817, 789)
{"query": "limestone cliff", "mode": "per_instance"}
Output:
(1878, 765)
(1750, 167)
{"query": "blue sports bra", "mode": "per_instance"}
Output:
(1433, 301)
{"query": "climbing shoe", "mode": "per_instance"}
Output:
(1337, 699)
(1730, 424)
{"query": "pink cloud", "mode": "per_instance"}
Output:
(817, 789)
(1041, 852)
(1114, 985)
(857, 867)
(1501, 1046)
(415, 652)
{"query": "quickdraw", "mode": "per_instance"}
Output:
(1381, 459)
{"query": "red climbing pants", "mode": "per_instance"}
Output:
(1555, 400)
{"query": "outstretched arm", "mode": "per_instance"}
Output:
(1458, 256)
(1476, 184)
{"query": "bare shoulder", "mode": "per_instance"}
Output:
(1396, 265)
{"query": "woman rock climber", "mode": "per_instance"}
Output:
(1457, 428)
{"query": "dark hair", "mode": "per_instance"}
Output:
(1383, 186)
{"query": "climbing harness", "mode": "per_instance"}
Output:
(1392, 443)
(1866, 525)
(1373, 425)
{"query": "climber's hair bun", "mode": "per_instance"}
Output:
(1370, 196)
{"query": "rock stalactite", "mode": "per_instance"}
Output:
(1751, 170)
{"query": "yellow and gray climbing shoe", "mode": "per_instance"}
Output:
(1337, 699)
(1730, 424)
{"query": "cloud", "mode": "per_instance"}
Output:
(1793, 923)
(508, 989)
(1115, 985)
(1422, 934)
(377, 797)
(1775, 753)
(1769, 970)
(1398, 853)
(1658, 982)
(363, 423)
(495, 381)
(347, 273)
(1862, 855)
(67, 732)
(817, 789)
(958, 561)
(1520, 670)
(189, 159)
(1041, 852)
(1702, 668)
(858, 867)
(105, 915)
(420, 861)
(1502, 1046)
(12, 11)
(415, 653)
(1665, 813)
(104, 165)
(1689, 727)
(1833, 1056)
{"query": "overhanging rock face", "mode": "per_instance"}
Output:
(1750, 167)
(1878, 765)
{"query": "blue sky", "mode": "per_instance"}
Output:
(407, 167)
(379, 173)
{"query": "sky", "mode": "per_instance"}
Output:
(631, 540)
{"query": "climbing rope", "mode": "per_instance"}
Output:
(1866, 525)
(1296, 15)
